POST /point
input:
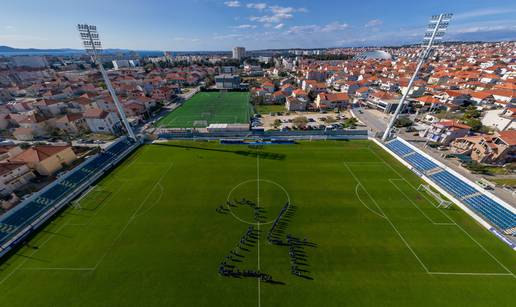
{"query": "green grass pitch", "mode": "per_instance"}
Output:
(149, 235)
(207, 108)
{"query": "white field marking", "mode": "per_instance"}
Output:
(417, 207)
(471, 274)
(251, 180)
(135, 157)
(445, 214)
(389, 220)
(84, 194)
(431, 201)
(132, 217)
(162, 191)
(363, 163)
(259, 234)
(104, 255)
(50, 236)
(57, 269)
(90, 217)
(363, 203)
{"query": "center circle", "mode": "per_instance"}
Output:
(266, 194)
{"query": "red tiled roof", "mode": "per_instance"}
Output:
(95, 113)
(453, 124)
(6, 167)
(38, 153)
(509, 137)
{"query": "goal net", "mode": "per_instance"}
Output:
(442, 202)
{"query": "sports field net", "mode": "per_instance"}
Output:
(442, 202)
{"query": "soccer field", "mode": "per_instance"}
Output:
(207, 108)
(152, 233)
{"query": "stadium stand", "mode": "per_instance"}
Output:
(491, 210)
(24, 218)
(453, 184)
(420, 162)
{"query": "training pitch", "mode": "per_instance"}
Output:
(152, 233)
(207, 108)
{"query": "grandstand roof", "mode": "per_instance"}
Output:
(374, 54)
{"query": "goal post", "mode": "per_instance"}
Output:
(442, 202)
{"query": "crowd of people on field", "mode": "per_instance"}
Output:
(274, 236)
(271, 234)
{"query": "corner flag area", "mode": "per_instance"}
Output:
(207, 108)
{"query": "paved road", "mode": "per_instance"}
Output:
(375, 120)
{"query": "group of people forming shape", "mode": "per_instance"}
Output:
(297, 255)
(226, 268)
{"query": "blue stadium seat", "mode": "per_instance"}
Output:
(399, 148)
(482, 204)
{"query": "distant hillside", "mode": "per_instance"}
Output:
(6, 50)
(32, 50)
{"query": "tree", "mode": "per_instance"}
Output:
(276, 124)
(350, 122)
(474, 123)
(148, 67)
(471, 118)
(300, 121)
(330, 119)
(403, 122)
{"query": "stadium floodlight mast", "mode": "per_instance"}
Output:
(435, 32)
(93, 46)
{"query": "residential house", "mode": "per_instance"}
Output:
(73, 123)
(332, 101)
(384, 101)
(295, 104)
(444, 132)
(46, 159)
(14, 176)
(498, 149)
(101, 121)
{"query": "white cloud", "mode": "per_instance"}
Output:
(229, 37)
(186, 39)
(232, 3)
(271, 18)
(277, 14)
(246, 26)
(303, 29)
(483, 12)
(279, 26)
(335, 26)
(257, 6)
(307, 29)
(374, 23)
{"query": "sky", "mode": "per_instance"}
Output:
(189, 25)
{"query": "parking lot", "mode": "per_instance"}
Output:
(316, 120)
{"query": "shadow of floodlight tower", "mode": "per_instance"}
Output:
(435, 32)
(91, 41)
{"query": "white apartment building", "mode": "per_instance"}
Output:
(238, 53)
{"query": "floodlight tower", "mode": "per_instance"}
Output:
(92, 45)
(435, 31)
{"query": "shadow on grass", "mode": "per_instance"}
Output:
(247, 153)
